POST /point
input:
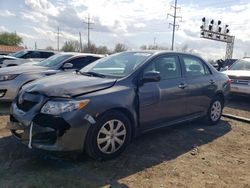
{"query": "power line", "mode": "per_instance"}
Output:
(88, 25)
(174, 25)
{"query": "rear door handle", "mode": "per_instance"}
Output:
(183, 86)
(211, 81)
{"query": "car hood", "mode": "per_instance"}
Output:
(68, 85)
(30, 63)
(21, 69)
(237, 73)
(8, 57)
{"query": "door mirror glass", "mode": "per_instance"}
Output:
(67, 66)
(151, 76)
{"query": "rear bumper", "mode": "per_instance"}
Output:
(52, 133)
(240, 89)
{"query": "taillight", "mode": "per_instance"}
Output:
(229, 81)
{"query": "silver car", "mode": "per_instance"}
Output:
(239, 73)
(13, 78)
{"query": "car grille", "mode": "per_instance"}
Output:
(240, 80)
(26, 105)
(26, 101)
(56, 123)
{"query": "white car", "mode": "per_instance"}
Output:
(239, 73)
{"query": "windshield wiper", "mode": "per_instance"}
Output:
(94, 74)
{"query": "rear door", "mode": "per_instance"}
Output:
(200, 82)
(162, 101)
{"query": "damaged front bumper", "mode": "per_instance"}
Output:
(66, 132)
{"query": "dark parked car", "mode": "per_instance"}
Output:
(24, 56)
(109, 102)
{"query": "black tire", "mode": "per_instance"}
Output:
(211, 118)
(92, 147)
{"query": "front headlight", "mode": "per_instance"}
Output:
(59, 107)
(8, 77)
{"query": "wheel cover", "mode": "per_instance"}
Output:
(111, 136)
(215, 111)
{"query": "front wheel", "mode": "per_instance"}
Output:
(109, 136)
(215, 111)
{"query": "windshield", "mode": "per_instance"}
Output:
(54, 60)
(19, 54)
(242, 64)
(117, 65)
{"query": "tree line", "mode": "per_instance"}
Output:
(11, 39)
(75, 46)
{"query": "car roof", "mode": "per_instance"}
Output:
(84, 54)
(154, 52)
(80, 54)
(27, 50)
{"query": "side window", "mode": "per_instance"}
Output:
(46, 54)
(207, 70)
(32, 54)
(79, 63)
(92, 59)
(167, 66)
(195, 67)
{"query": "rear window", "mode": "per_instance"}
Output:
(242, 64)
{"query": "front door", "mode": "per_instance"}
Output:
(162, 101)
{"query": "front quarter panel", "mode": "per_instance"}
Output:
(116, 97)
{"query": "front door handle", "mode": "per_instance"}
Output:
(183, 86)
(211, 81)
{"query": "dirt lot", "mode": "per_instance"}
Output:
(187, 155)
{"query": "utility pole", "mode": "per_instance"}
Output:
(58, 33)
(154, 41)
(174, 25)
(35, 46)
(80, 38)
(15, 38)
(88, 25)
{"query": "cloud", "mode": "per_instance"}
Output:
(26, 36)
(3, 29)
(133, 22)
(43, 6)
(139, 25)
(7, 13)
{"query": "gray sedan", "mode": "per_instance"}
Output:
(13, 78)
(107, 103)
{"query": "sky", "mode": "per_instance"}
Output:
(132, 22)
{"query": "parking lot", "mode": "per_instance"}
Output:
(187, 155)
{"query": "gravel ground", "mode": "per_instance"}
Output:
(186, 155)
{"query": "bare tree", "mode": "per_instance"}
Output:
(153, 47)
(49, 48)
(119, 47)
(71, 46)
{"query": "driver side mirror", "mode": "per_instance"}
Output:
(67, 66)
(151, 76)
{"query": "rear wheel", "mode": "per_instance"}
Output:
(109, 136)
(215, 111)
